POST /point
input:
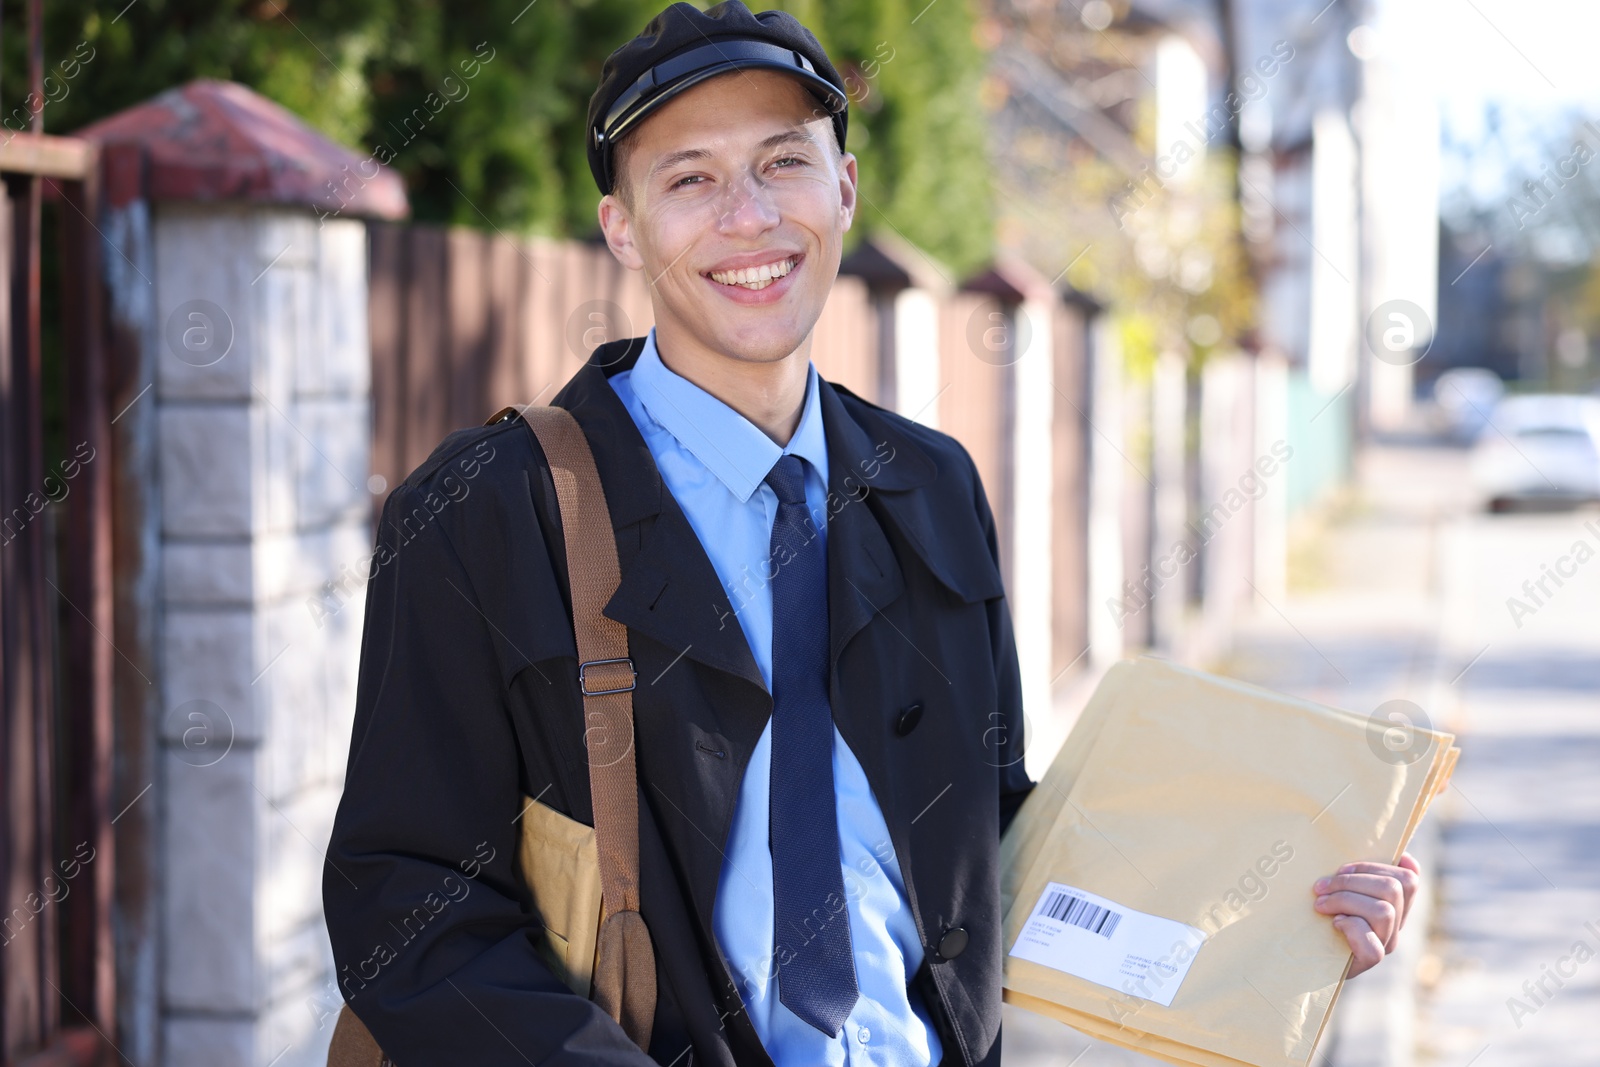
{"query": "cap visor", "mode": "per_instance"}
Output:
(827, 93)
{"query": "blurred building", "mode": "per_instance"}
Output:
(1476, 327)
(1111, 133)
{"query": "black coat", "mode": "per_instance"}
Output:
(468, 699)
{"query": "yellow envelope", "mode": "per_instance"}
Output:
(1158, 880)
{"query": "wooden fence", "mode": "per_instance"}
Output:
(463, 323)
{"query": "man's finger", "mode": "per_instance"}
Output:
(1406, 879)
(1379, 915)
(1364, 943)
(1378, 887)
(1408, 862)
(1373, 885)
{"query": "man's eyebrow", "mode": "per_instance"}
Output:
(672, 159)
(687, 155)
(799, 134)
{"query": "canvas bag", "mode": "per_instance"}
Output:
(584, 880)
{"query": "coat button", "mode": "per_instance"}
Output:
(953, 943)
(910, 715)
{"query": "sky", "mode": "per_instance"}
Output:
(1534, 60)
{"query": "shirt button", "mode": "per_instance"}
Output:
(863, 1035)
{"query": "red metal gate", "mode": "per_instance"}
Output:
(57, 992)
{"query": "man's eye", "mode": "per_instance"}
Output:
(789, 159)
(686, 178)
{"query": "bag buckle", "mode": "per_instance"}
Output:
(583, 680)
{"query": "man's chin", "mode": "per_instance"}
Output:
(756, 341)
(768, 347)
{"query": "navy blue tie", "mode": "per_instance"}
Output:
(812, 950)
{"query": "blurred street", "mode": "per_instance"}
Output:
(1402, 595)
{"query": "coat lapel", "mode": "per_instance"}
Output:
(671, 593)
(669, 589)
(864, 576)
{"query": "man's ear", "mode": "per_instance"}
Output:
(618, 229)
(847, 188)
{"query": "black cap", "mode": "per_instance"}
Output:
(684, 46)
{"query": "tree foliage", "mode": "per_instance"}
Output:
(913, 71)
(1165, 257)
(504, 147)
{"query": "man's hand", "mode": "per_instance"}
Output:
(1369, 902)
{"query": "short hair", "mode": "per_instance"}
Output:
(621, 184)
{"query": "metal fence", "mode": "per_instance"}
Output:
(57, 981)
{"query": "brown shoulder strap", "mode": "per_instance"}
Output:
(625, 971)
(625, 965)
(353, 1045)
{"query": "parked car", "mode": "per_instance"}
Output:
(1539, 450)
(1466, 396)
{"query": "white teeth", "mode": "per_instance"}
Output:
(755, 277)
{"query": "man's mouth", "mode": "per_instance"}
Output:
(755, 278)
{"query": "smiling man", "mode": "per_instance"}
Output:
(828, 714)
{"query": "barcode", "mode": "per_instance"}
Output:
(1075, 911)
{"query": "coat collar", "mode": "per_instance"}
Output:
(669, 589)
(625, 461)
(736, 451)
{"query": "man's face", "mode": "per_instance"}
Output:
(739, 204)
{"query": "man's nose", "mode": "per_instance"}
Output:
(747, 205)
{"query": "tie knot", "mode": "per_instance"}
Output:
(788, 479)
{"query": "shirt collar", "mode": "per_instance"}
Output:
(729, 445)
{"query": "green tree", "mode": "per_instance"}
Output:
(504, 147)
(916, 126)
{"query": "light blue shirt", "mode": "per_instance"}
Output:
(714, 461)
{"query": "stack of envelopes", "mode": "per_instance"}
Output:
(1157, 882)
